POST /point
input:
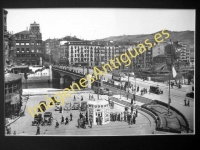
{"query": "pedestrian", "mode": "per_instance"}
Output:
(185, 101)
(89, 96)
(38, 130)
(134, 119)
(84, 126)
(136, 113)
(62, 120)
(60, 109)
(66, 120)
(14, 133)
(188, 103)
(100, 120)
(71, 116)
(131, 119)
(97, 120)
(90, 119)
(171, 85)
(86, 117)
(81, 98)
(74, 97)
(128, 118)
(132, 109)
(121, 116)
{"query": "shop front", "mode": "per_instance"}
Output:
(99, 108)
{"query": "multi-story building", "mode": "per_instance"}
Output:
(185, 52)
(192, 62)
(28, 46)
(159, 49)
(12, 85)
(51, 48)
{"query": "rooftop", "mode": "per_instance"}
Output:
(9, 77)
(23, 32)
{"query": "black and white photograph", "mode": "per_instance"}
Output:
(99, 71)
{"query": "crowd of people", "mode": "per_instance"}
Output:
(129, 117)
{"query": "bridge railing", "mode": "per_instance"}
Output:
(69, 70)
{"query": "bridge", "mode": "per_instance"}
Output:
(64, 73)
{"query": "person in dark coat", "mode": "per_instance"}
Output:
(132, 109)
(188, 103)
(71, 116)
(119, 117)
(185, 101)
(86, 117)
(136, 113)
(60, 109)
(81, 98)
(62, 119)
(74, 97)
(38, 130)
(97, 120)
(134, 119)
(100, 120)
(66, 120)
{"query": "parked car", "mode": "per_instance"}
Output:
(103, 91)
(156, 90)
(191, 94)
(57, 106)
(48, 118)
(42, 106)
(68, 106)
(37, 119)
(75, 105)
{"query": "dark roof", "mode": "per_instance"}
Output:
(23, 32)
(9, 77)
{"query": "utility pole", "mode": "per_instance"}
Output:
(170, 66)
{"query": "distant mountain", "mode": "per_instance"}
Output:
(184, 36)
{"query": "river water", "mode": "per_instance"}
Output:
(55, 84)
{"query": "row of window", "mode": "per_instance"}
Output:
(28, 55)
(27, 50)
(28, 43)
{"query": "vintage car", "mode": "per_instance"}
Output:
(68, 106)
(42, 106)
(37, 119)
(156, 90)
(57, 106)
(103, 91)
(191, 94)
(83, 106)
(75, 105)
(48, 119)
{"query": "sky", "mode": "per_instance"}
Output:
(98, 23)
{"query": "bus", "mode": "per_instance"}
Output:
(116, 76)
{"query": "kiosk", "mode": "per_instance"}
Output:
(99, 108)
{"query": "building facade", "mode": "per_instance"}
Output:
(28, 46)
